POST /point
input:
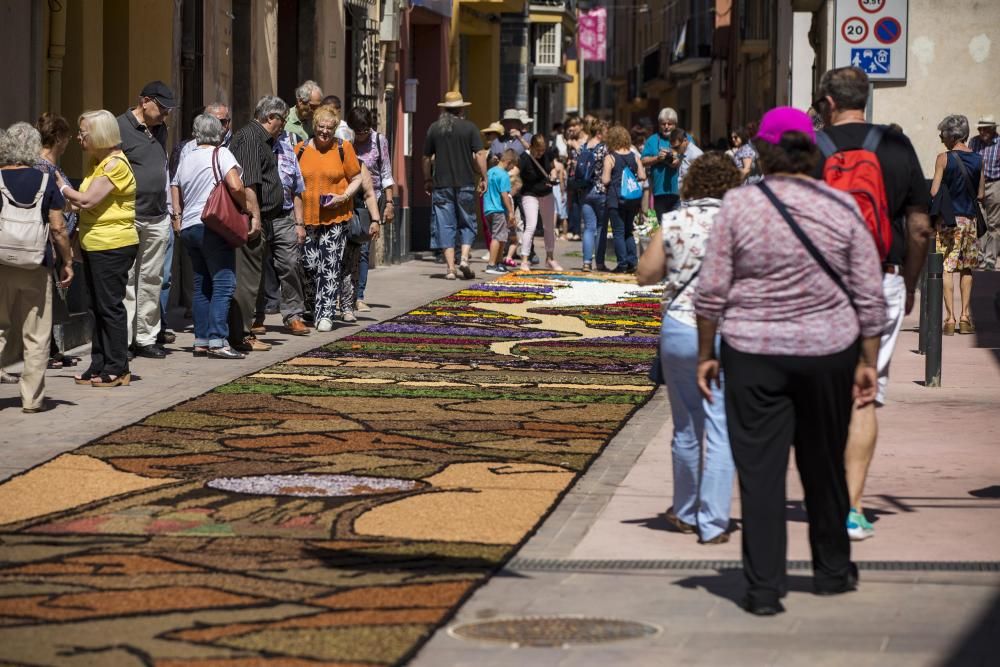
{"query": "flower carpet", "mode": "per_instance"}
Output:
(333, 509)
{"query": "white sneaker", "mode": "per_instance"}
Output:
(325, 324)
(362, 307)
(349, 316)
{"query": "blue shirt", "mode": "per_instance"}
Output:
(497, 182)
(289, 172)
(662, 176)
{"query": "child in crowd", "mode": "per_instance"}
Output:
(515, 243)
(498, 208)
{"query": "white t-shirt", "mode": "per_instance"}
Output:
(196, 179)
(690, 155)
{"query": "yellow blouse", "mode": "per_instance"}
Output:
(110, 224)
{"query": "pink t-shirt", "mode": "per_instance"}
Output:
(771, 295)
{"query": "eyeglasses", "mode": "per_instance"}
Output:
(324, 128)
(315, 105)
(225, 121)
(160, 106)
(82, 135)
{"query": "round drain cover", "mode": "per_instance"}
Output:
(554, 630)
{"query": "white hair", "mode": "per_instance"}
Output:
(954, 127)
(667, 114)
(305, 91)
(20, 145)
(268, 106)
(207, 130)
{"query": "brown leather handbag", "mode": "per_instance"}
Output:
(221, 214)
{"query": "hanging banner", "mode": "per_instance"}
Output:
(592, 34)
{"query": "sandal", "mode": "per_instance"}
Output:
(55, 363)
(679, 526)
(86, 377)
(112, 380)
(948, 329)
(965, 326)
(450, 276)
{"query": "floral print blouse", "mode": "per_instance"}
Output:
(685, 232)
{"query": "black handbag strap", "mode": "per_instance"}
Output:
(806, 241)
(683, 287)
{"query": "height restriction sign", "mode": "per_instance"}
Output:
(871, 35)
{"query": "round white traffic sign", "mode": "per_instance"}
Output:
(872, 6)
(854, 30)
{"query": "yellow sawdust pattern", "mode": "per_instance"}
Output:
(492, 504)
(44, 489)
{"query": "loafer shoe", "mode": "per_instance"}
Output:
(297, 327)
(151, 352)
(165, 337)
(256, 345)
(225, 353)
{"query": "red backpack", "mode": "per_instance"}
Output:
(858, 172)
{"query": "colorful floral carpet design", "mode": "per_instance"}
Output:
(333, 509)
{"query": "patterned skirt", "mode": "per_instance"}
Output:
(958, 245)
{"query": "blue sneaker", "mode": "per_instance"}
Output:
(858, 527)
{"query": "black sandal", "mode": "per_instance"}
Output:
(86, 377)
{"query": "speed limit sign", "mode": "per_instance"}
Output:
(872, 6)
(855, 30)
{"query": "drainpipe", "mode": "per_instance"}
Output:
(57, 51)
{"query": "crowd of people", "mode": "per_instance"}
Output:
(789, 263)
(315, 189)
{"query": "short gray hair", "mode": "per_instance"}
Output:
(21, 145)
(215, 107)
(207, 130)
(954, 127)
(666, 113)
(303, 92)
(268, 106)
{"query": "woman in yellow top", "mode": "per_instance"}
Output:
(327, 205)
(106, 201)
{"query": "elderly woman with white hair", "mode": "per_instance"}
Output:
(959, 169)
(108, 238)
(30, 216)
(212, 259)
(662, 163)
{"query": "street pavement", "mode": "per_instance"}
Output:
(934, 599)
(934, 493)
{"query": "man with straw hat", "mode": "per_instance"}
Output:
(987, 145)
(513, 137)
(453, 168)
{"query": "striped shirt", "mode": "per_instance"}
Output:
(991, 156)
(771, 295)
(253, 147)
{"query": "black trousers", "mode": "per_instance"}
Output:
(106, 273)
(664, 204)
(772, 402)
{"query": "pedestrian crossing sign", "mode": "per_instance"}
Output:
(871, 61)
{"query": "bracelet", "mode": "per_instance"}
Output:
(62, 190)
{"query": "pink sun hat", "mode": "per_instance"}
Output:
(779, 120)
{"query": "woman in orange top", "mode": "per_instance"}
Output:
(333, 176)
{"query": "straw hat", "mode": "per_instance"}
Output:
(512, 114)
(453, 100)
(525, 118)
(494, 127)
(987, 121)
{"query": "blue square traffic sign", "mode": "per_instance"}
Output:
(871, 61)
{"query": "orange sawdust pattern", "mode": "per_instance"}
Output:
(137, 555)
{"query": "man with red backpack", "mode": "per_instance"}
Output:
(880, 168)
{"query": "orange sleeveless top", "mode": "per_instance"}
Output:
(324, 173)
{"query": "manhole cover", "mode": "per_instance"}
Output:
(313, 486)
(554, 630)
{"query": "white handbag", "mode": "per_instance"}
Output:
(24, 231)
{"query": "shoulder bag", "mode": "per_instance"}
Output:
(806, 241)
(221, 214)
(973, 195)
(361, 219)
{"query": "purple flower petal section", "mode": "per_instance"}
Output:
(485, 332)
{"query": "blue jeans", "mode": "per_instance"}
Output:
(702, 491)
(214, 265)
(362, 273)
(622, 220)
(168, 265)
(593, 212)
(455, 215)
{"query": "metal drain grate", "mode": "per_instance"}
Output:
(569, 565)
(542, 631)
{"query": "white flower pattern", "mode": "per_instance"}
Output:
(685, 233)
(326, 284)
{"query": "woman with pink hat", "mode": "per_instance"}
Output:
(793, 281)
